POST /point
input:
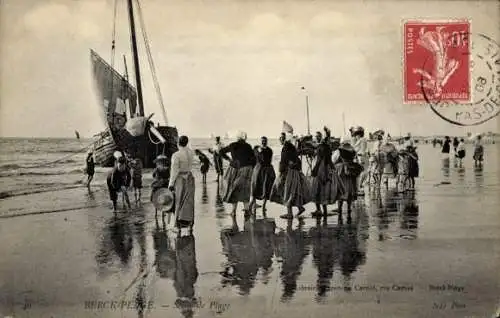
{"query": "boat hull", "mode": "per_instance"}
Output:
(104, 147)
(146, 147)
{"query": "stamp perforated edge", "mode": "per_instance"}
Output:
(423, 21)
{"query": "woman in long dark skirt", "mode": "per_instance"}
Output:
(413, 168)
(291, 187)
(348, 172)
(325, 187)
(263, 176)
(238, 176)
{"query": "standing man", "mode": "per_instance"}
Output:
(361, 148)
(218, 157)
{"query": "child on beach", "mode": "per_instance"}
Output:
(136, 165)
(161, 174)
(90, 168)
(205, 164)
(460, 153)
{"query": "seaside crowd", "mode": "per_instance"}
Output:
(339, 172)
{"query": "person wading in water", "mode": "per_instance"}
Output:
(90, 170)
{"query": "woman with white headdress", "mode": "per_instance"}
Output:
(238, 176)
(360, 145)
(291, 188)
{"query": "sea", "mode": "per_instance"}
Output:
(34, 165)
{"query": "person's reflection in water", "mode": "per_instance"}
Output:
(186, 275)
(409, 216)
(387, 213)
(220, 214)
(479, 176)
(140, 299)
(165, 252)
(293, 246)
(461, 174)
(446, 169)
(117, 238)
(90, 197)
(264, 236)
(242, 267)
(204, 194)
(350, 246)
(323, 241)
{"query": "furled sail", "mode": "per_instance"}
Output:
(114, 93)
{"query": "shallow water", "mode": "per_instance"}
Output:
(430, 253)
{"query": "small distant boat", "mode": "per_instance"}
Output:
(77, 134)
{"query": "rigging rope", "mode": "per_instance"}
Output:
(151, 62)
(60, 159)
(113, 37)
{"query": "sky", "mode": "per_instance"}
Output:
(224, 65)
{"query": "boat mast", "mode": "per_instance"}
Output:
(136, 57)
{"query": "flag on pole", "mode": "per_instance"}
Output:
(287, 128)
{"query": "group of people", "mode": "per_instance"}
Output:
(459, 150)
(251, 175)
(338, 175)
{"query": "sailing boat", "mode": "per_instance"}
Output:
(136, 135)
(77, 134)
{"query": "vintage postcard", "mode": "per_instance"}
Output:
(249, 158)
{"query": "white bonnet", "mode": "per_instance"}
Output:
(241, 135)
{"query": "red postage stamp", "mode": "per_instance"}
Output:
(436, 61)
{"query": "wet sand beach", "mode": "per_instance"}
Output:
(429, 253)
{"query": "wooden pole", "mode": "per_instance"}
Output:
(135, 54)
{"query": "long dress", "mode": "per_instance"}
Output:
(238, 177)
(291, 188)
(181, 178)
(325, 185)
(478, 151)
(348, 172)
(403, 165)
(263, 176)
(413, 168)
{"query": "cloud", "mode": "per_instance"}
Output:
(84, 21)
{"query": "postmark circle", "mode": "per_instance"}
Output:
(484, 86)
